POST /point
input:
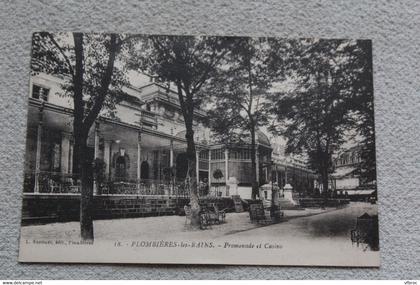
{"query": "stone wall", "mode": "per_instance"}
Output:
(40, 209)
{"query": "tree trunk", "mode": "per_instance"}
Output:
(76, 155)
(82, 163)
(192, 177)
(187, 107)
(86, 200)
(255, 186)
(254, 166)
(324, 178)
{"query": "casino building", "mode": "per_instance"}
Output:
(139, 148)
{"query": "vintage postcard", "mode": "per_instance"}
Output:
(200, 150)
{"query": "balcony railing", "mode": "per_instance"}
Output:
(52, 182)
(60, 183)
(143, 187)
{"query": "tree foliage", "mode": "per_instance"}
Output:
(238, 92)
(362, 104)
(88, 65)
(217, 174)
(187, 62)
(320, 107)
(54, 53)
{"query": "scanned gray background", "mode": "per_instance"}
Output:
(394, 27)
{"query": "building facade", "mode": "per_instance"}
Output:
(139, 148)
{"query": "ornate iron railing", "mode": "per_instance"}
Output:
(60, 183)
(52, 182)
(143, 187)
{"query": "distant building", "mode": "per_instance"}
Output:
(292, 170)
(346, 176)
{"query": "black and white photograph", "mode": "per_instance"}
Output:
(195, 149)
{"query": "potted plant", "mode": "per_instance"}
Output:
(218, 174)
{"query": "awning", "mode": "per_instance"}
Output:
(360, 192)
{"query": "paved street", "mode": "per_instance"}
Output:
(320, 239)
(329, 224)
(310, 236)
(309, 223)
(154, 227)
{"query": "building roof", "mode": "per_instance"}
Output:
(159, 92)
(181, 135)
(360, 192)
(261, 138)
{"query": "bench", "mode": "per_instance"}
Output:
(209, 215)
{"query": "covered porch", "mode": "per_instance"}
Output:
(128, 159)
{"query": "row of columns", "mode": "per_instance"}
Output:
(108, 152)
(108, 148)
(67, 157)
(67, 148)
(226, 154)
(278, 175)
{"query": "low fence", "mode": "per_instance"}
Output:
(47, 208)
(51, 182)
(144, 187)
(60, 183)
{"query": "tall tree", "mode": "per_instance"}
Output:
(188, 62)
(361, 103)
(238, 97)
(314, 113)
(87, 62)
